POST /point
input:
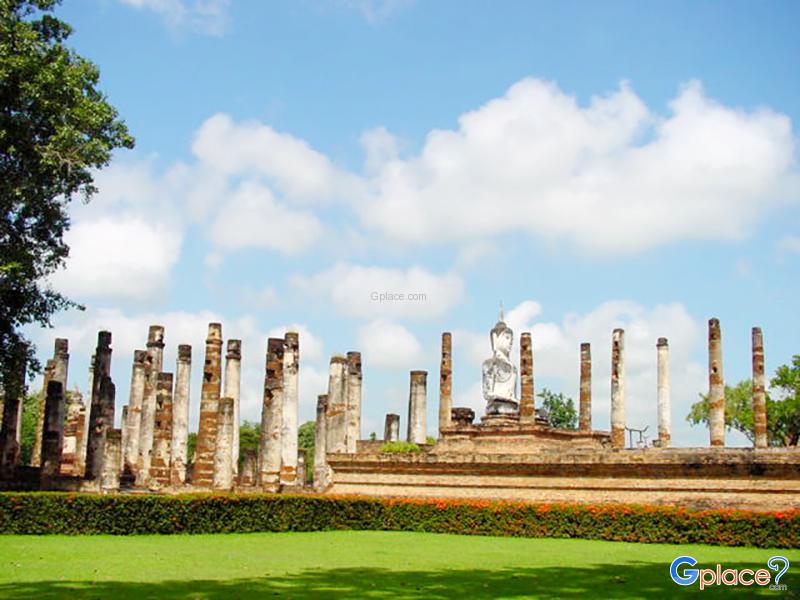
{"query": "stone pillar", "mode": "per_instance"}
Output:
(133, 422)
(83, 441)
(527, 403)
(36, 452)
(61, 362)
(320, 440)
(759, 391)
(159, 474)
(203, 466)
(101, 418)
(716, 385)
(337, 408)
(180, 415)
(269, 453)
(248, 473)
(618, 389)
(291, 357)
(73, 430)
(124, 439)
(112, 458)
(417, 409)
(233, 376)
(391, 428)
(352, 388)
(223, 466)
(664, 413)
(9, 446)
(585, 405)
(154, 363)
(53, 429)
(446, 382)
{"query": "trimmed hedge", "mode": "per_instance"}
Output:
(68, 513)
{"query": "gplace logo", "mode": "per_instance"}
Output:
(720, 576)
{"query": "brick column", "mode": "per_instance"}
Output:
(101, 417)
(716, 385)
(180, 415)
(36, 452)
(291, 360)
(203, 466)
(53, 429)
(159, 476)
(320, 439)
(585, 404)
(73, 430)
(112, 458)
(527, 403)
(130, 449)
(269, 460)
(663, 389)
(391, 428)
(618, 389)
(417, 409)
(759, 393)
(223, 466)
(353, 401)
(337, 408)
(83, 440)
(154, 363)
(446, 382)
(233, 376)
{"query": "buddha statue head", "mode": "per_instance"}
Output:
(502, 338)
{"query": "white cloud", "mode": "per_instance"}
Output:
(204, 16)
(124, 258)
(251, 217)
(389, 345)
(310, 345)
(297, 171)
(356, 290)
(789, 243)
(376, 11)
(611, 176)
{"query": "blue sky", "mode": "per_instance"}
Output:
(590, 165)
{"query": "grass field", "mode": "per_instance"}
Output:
(352, 564)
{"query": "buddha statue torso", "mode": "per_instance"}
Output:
(500, 374)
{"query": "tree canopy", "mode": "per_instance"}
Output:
(56, 130)
(560, 409)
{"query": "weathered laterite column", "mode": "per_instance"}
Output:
(130, 447)
(618, 389)
(663, 388)
(291, 359)
(391, 428)
(154, 362)
(10, 429)
(101, 418)
(162, 435)
(248, 473)
(320, 439)
(337, 408)
(112, 459)
(83, 440)
(417, 409)
(301, 467)
(585, 403)
(716, 385)
(269, 458)
(352, 389)
(527, 404)
(53, 429)
(233, 377)
(73, 426)
(203, 466)
(36, 452)
(124, 439)
(446, 383)
(759, 390)
(180, 415)
(223, 466)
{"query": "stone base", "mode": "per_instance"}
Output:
(502, 407)
(500, 420)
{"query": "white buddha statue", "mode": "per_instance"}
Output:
(499, 373)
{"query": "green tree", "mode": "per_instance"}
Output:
(560, 409)
(249, 434)
(783, 415)
(56, 130)
(30, 416)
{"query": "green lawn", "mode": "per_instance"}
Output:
(352, 564)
